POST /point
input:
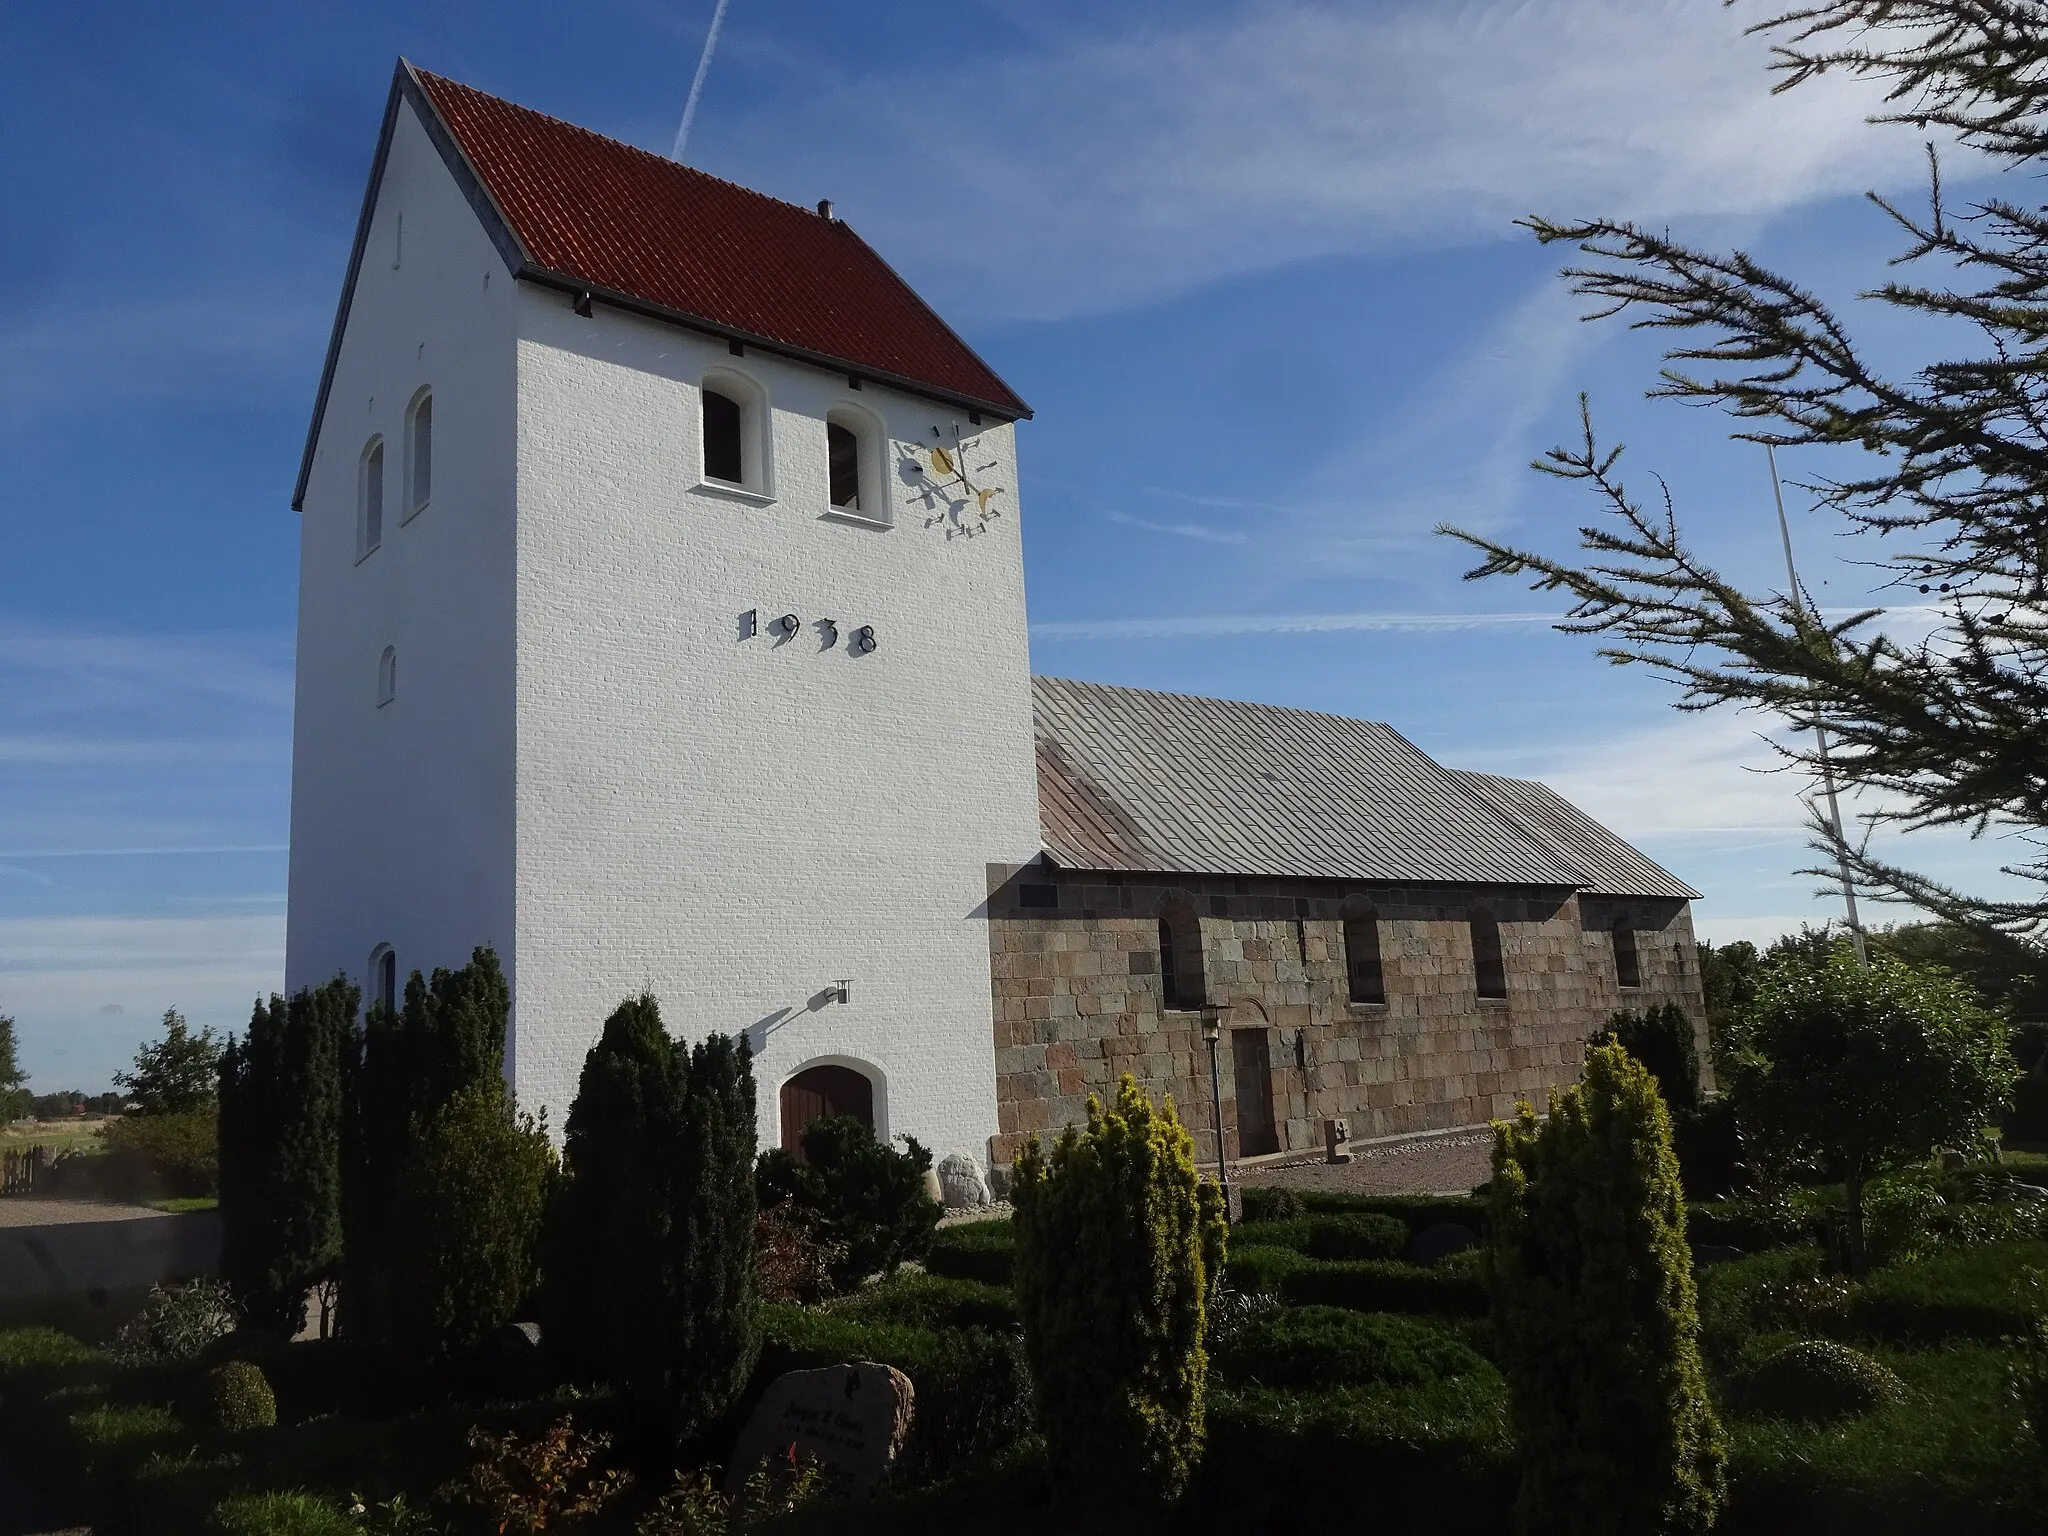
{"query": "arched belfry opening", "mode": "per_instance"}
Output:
(819, 1091)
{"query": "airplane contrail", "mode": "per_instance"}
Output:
(697, 85)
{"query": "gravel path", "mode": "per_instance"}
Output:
(52, 1211)
(1438, 1165)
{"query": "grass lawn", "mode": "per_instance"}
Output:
(69, 1135)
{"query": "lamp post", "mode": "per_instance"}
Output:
(1212, 1031)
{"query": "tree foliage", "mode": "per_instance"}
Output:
(1596, 1315)
(12, 1078)
(1951, 480)
(1661, 1038)
(177, 1075)
(1118, 1248)
(400, 1070)
(280, 1150)
(651, 1284)
(1867, 1068)
(470, 1203)
(866, 1201)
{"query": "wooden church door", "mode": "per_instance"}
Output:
(1252, 1068)
(821, 1091)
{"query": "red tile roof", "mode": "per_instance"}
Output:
(624, 222)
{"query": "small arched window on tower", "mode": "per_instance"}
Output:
(735, 432)
(1628, 963)
(384, 978)
(387, 676)
(419, 453)
(724, 448)
(1487, 963)
(1181, 980)
(370, 499)
(1365, 978)
(853, 459)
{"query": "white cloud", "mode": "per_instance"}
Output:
(1104, 172)
(1218, 624)
(1197, 531)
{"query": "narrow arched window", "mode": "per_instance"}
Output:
(1367, 981)
(387, 676)
(842, 457)
(1181, 979)
(419, 454)
(1487, 964)
(384, 978)
(1628, 964)
(724, 441)
(370, 498)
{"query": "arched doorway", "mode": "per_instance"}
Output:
(819, 1091)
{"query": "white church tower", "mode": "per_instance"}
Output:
(661, 622)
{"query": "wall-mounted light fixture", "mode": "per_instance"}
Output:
(842, 991)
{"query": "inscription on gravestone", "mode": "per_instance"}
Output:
(852, 1418)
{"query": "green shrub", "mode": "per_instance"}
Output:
(1260, 1271)
(1386, 1285)
(470, 1210)
(1263, 1204)
(177, 1322)
(651, 1285)
(153, 1155)
(1786, 1290)
(280, 1151)
(281, 1514)
(1117, 1244)
(1708, 1141)
(1332, 1346)
(32, 1348)
(520, 1484)
(232, 1397)
(400, 1071)
(1595, 1314)
(1416, 1211)
(1661, 1038)
(1817, 1381)
(975, 1250)
(1364, 1236)
(866, 1196)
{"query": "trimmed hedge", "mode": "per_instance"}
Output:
(975, 1250)
(1752, 1227)
(1386, 1285)
(1974, 1294)
(932, 1301)
(1416, 1211)
(1332, 1346)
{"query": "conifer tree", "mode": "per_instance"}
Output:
(651, 1281)
(1118, 1247)
(280, 1151)
(1596, 1316)
(402, 1069)
(1946, 502)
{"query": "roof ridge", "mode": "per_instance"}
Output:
(654, 155)
(1210, 698)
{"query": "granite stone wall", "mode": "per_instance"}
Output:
(1074, 958)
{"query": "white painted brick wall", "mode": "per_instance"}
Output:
(732, 823)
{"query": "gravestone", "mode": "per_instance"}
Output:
(1337, 1139)
(852, 1418)
(961, 1183)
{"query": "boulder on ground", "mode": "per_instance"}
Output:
(961, 1185)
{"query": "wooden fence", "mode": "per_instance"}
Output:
(24, 1172)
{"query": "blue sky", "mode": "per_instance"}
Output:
(1253, 264)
